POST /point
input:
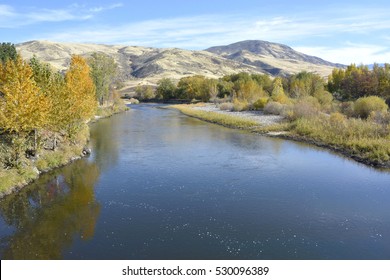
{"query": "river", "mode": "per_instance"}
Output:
(161, 185)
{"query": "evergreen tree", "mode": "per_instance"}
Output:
(7, 51)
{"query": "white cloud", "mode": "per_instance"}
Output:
(102, 8)
(350, 53)
(202, 31)
(10, 18)
(6, 11)
(199, 32)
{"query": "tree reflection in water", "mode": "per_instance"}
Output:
(50, 214)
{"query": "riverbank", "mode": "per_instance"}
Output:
(14, 179)
(356, 139)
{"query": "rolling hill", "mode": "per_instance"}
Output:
(147, 65)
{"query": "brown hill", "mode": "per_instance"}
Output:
(147, 65)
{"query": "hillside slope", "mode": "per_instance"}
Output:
(151, 64)
(273, 58)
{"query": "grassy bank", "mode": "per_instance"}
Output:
(222, 119)
(12, 179)
(362, 140)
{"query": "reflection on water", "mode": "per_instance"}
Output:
(51, 214)
(160, 185)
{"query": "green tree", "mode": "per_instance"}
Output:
(145, 92)
(166, 89)
(7, 51)
(103, 71)
(305, 84)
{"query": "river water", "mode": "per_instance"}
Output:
(161, 185)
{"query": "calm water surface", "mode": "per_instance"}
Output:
(160, 185)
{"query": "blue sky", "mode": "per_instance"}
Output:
(338, 31)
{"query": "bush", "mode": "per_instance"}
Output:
(364, 106)
(133, 101)
(325, 99)
(337, 121)
(260, 104)
(227, 106)
(380, 117)
(274, 108)
(347, 108)
(239, 105)
(305, 108)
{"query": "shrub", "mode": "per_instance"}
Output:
(274, 108)
(134, 101)
(239, 105)
(227, 106)
(364, 106)
(260, 103)
(325, 99)
(380, 117)
(347, 108)
(305, 108)
(337, 121)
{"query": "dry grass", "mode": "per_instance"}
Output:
(213, 117)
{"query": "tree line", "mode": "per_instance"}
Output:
(253, 91)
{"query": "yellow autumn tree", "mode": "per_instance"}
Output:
(278, 94)
(80, 94)
(52, 84)
(23, 107)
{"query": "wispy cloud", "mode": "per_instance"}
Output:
(6, 11)
(201, 31)
(310, 33)
(11, 18)
(103, 8)
(350, 53)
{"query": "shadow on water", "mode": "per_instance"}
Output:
(51, 213)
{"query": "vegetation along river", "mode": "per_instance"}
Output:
(161, 185)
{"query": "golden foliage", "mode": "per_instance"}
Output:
(23, 107)
(81, 90)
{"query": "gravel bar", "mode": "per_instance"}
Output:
(257, 116)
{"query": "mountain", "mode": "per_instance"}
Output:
(144, 64)
(273, 58)
(138, 62)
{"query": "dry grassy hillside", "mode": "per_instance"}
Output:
(147, 65)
